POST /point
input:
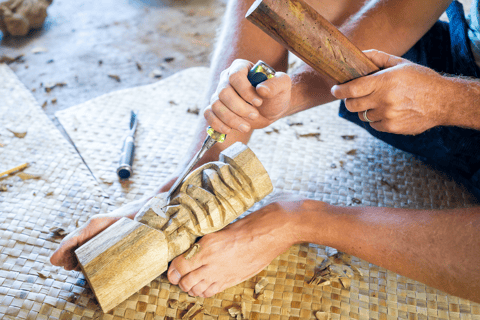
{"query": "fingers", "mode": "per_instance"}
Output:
(237, 77)
(384, 60)
(357, 88)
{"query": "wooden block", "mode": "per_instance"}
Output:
(128, 255)
(122, 257)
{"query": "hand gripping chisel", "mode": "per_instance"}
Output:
(256, 75)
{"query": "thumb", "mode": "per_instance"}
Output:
(274, 86)
(384, 60)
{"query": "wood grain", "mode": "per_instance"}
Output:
(303, 31)
(129, 254)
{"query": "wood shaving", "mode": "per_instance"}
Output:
(271, 130)
(322, 315)
(58, 232)
(115, 77)
(169, 59)
(193, 311)
(353, 137)
(195, 110)
(50, 86)
(44, 104)
(44, 275)
(155, 74)
(173, 103)
(139, 66)
(352, 152)
(10, 60)
(235, 312)
(3, 188)
(192, 251)
(19, 133)
(244, 310)
(335, 267)
(292, 123)
(356, 201)
(54, 100)
(27, 176)
(311, 134)
(37, 50)
(385, 183)
(260, 286)
(175, 304)
(2, 145)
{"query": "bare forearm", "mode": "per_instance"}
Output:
(463, 102)
(440, 248)
(392, 26)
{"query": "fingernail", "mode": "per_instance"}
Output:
(175, 275)
(267, 90)
(243, 128)
(256, 102)
(253, 115)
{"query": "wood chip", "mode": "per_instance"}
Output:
(156, 73)
(27, 176)
(37, 50)
(50, 86)
(235, 312)
(3, 188)
(115, 77)
(54, 100)
(44, 104)
(192, 251)
(260, 286)
(44, 275)
(175, 304)
(194, 110)
(346, 283)
(271, 130)
(311, 134)
(19, 133)
(353, 137)
(58, 232)
(169, 59)
(193, 311)
(385, 183)
(10, 60)
(322, 315)
(244, 310)
(292, 123)
(139, 66)
(352, 152)
(356, 201)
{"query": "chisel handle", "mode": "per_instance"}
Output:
(256, 75)
(124, 169)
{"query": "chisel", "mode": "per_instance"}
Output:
(256, 75)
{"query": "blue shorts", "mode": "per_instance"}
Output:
(444, 48)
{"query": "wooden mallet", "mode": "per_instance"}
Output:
(303, 31)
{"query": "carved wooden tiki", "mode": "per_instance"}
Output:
(130, 254)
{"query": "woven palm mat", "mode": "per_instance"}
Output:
(298, 160)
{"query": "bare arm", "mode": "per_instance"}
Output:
(440, 248)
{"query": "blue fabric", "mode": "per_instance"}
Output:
(474, 29)
(444, 48)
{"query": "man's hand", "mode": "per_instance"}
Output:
(405, 98)
(65, 257)
(236, 104)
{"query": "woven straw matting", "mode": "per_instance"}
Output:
(317, 169)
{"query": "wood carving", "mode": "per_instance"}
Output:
(130, 254)
(18, 17)
(303, 31)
